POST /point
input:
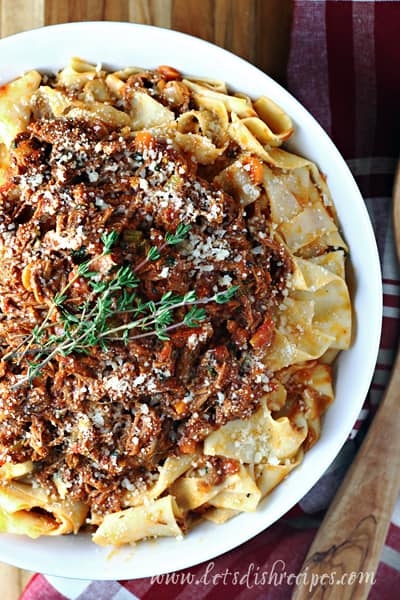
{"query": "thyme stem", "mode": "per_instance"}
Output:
(112, 297)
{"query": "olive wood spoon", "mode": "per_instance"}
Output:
(353, 532)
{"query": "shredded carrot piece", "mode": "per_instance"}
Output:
(188, 447)
(180, 407)
(6, 186)
(144, 140)
(26, 277)
(256, 169)
(264, 334)
(168, 73)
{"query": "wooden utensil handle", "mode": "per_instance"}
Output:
(343, 558)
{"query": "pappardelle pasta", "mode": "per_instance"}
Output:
(172, 294)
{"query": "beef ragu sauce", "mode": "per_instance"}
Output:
(105, 420)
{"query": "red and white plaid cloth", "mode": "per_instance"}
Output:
(344, 67)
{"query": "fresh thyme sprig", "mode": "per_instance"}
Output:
(112, 311)
(176, 238)
(171, 239)
(108, 240)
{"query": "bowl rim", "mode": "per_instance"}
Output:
(33, 560)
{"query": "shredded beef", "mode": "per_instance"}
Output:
(100, 420)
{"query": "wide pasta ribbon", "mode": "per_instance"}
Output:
(28, 510)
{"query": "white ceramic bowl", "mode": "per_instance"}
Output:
(119, 44)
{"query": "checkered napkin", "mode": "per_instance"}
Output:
(344, 67)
